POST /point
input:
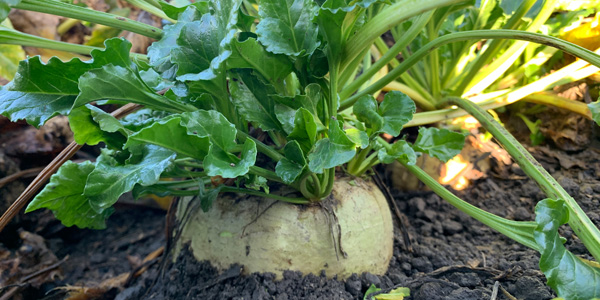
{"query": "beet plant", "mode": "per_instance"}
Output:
(237, 110)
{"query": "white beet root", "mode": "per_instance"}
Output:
(294, 237)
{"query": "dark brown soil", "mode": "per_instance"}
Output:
(453, 256)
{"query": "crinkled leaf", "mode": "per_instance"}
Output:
(359, 137)
(399, 150)
(595, 109)
(221, 134)
(441, 143)
(396, 109)
(172, 135)
(292, 165)
(366, 111)
(333, 151)
(257, 183)
(5, 6)
(567, 274)
(41, 91)
(110, 179)
(204, 45)
(64, 196)
(251, 97)
(118, 83)
(160, 52)
(305, 129)
(250, 54)
(142, 118)
(286, 27)
(90, 127)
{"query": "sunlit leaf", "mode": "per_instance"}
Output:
(567, 274)
(441, 143)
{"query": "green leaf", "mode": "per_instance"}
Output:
(333, 151)
(174, 9)
(286, 27)
(160, 52)
(399, 150)
(286, 116)
(397, 109)
(359, 137)
(305, 129)
(64, 196)
(142, 118)
(441, 143)
(595, 109)
(41, 91)
(220, 161)
(372, 289)
(251, 97)
(227, 165)
(204, 45)
(311, 100)
(119, 83)
(566, 273)
(90, 126)
(366, 111)
(257, 183)
(5, 6)
(395, 294)
(250, 54)
(170, 134)
(292, 165)
(110, 179)
(336, 20)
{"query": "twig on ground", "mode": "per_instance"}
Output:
(495, 290)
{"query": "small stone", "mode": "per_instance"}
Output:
(369, 279)
(469, 280)
(430, 214)
(416, 204)
(452, 227)
(522, 214)
(530, 288)
(96, 258)
(397, 278)
(517, 170)
(422, 264)
(353, 286)
(130, 293)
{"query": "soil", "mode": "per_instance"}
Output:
(451, 255)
